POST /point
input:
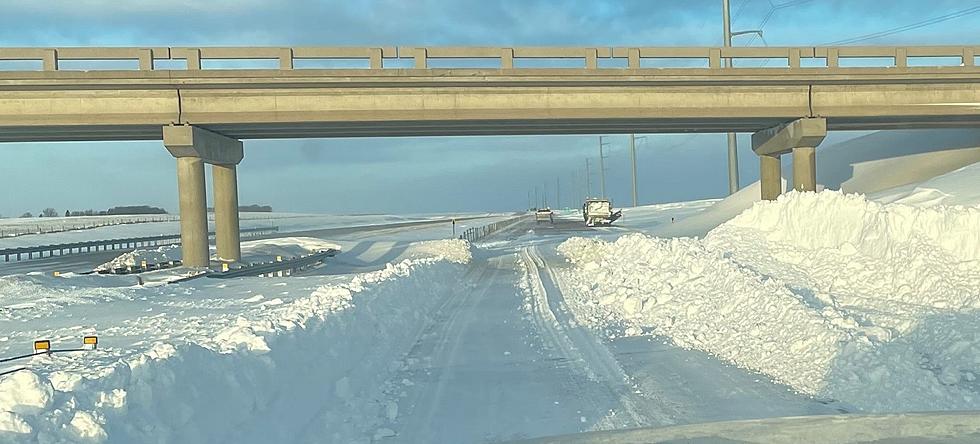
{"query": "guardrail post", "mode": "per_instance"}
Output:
(507, 58)
(714, 58)
(146, 60)
(286, 58)
(376, 59)
(633, 58)
(901, 58)
(968, 58)
(794, 57)
(590, 59)
(193, 59)
(49, 62)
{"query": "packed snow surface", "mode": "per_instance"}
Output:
(207, 361)
(875, 305)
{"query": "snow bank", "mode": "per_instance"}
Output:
(960, 187)
(252, 251)
(253, 369)
(875, 305)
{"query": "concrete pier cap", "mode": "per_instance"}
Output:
(800, 137)
(193, 147)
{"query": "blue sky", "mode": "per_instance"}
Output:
(407, 175)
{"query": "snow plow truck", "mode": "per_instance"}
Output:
(599, 212)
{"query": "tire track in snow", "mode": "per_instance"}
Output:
(582, 347)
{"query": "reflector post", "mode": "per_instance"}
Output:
(90, 342)
(42, 346)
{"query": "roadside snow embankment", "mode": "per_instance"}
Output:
(239, 369)
(252, 251)
(874, 305)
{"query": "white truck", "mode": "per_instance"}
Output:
(599, 212)
(544, 215)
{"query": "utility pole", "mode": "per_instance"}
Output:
(732, 141)
(545, 196)
(575, 189)
(558, 192)
(588, 179)
(602, 169)
(633, 160)
(536, 206)
(529, 206)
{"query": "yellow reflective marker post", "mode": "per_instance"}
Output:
(43, 346)
(90, 342)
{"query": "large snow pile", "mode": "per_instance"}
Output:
(874, 305)
(217, 362)
(252, 251)
(960, 187)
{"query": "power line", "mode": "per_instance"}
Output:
(738, 12)
(909, 27)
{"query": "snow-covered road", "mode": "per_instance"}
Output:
(503, 358)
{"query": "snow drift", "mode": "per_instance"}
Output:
(247, 370)
(837, 296)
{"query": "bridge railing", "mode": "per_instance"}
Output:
(285, 58)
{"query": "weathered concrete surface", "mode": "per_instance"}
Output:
(782, 139)
(805, 168)
(241, 104)
(191, 141)
(193, 147)
(193, 212)
(800, 137)
(226, 228)
(770, 176)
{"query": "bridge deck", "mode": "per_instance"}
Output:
(283, 102)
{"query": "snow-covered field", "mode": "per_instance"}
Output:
(873, 304)
(287, 222)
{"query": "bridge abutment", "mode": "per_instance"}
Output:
(770, 176)
(193, 147)
(799, 137)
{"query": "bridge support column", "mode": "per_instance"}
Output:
(805, 168)
(227, 235)
(800, 137)
(193, 211)
(193, 147)
(770, 177)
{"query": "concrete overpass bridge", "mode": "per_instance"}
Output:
(202, 113)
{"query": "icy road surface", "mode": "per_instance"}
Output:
(421, 352)
(503, 359)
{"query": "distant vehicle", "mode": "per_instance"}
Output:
(544, 215)
(599, 212)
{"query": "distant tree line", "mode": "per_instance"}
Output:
(133, 210)
(250, 209)
(114, 211)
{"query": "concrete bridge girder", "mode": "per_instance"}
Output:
(800, 137)
(193, 147)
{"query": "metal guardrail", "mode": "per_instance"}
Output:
(280, 267)
(285, 58)
(477, 233)
(107, 245)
